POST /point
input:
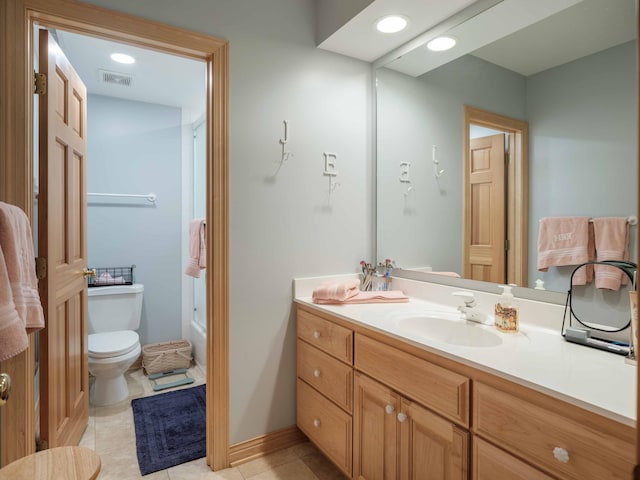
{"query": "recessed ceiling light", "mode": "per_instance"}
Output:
(440, 44)
(122, 58)
(392, 24)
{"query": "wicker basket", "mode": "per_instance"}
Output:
(166, 356)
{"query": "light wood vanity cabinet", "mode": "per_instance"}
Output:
(407, 415)
(397, 438)
(325, 386)
(547, 433)
(492, 463)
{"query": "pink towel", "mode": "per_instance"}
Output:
(197, 248)
(16, 242)
(391, 296)
(13, 335)
(612, 243)
(336, 292)
(447, 274)
(564, 241)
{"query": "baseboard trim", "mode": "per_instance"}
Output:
(265, 444)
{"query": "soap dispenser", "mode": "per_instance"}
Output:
(506, 311)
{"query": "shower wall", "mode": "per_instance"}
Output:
(135, 147)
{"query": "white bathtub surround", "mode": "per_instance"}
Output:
(537, 357)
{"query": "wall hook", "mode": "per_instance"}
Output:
(285, 154)
(436, 171)
(409, 190)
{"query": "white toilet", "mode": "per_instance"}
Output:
(114, 314)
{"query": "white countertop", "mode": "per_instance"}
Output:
(537, 357)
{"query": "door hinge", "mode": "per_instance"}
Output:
(39, 83)
(41, 267)
(507, 245)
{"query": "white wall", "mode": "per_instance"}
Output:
(282, 227)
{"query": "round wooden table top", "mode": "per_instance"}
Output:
(61, 463)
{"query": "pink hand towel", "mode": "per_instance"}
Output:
(336, 292)
(16, 242)
(612, 243)
(564, 241)
(197, 248)
(13, 335)
(447, 274)
(390, 296)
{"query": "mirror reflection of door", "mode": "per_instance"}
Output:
(495, 198)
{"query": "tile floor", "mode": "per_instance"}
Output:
(111, 434)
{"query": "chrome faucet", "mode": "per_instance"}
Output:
(469, 310)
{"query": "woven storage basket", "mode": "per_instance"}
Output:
(166, 356)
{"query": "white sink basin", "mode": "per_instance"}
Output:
(446, 328)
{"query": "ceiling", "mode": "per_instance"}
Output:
(155, 77)
(358, 38)
(592, 26)
(180, 82)
(524, 36)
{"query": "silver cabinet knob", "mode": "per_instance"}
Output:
(316, 334)
(402, 417)
(389, 409)
(316, 423)
(317, 373)
(5, 388)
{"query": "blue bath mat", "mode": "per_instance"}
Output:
(170, 428)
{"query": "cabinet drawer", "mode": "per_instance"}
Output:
(491, 463)
(594, 451)
(435, 387)
(326, 374)
(326, 335)
(326, 425)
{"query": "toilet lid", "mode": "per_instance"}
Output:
(111, 344)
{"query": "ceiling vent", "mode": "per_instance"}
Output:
(115, 78)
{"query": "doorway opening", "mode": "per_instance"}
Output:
(495, 197)
(139, 173)
(19, 18)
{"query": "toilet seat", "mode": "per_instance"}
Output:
(113, 344)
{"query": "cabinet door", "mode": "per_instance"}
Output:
(431, 448)
(375, 430)
(491, 463)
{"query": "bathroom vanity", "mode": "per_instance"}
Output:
(383, 403)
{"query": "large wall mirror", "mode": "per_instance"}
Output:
(565, 69)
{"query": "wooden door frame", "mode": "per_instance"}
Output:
(518, 174)
(17, 18)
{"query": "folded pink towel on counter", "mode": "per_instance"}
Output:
(16, 241)
(197, 248)
(612, 243)
(13, 335)
(336, 292)
(390, 296)
(447, 274)
(565, 241)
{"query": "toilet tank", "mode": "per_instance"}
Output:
(115, 308)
